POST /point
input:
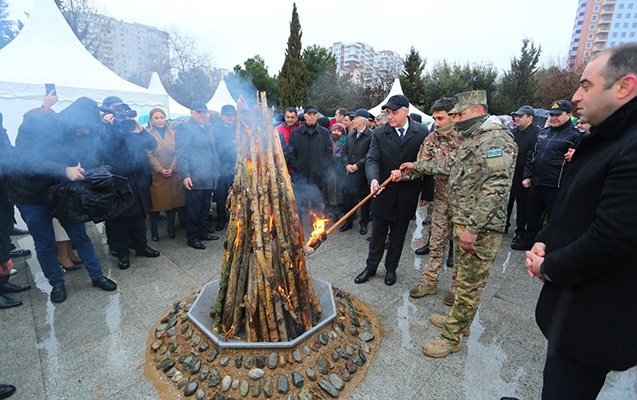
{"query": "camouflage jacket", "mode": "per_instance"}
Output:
(480, 172)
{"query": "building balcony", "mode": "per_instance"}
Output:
(602, 28)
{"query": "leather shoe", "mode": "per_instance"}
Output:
(422, 250)
(6, 390)
(15, 231)
(363, 230)
(8, 302)
(390, 278)
(346, 226)
(147, 252)
(11, 288)
(15, 253)
(197, 245)
(123, 262)
(364, 276)
(105, 284)
(209, 237)
(522, 244)
(58, 294)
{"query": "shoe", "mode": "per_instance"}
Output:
(6, 391)
(58, 293)
(71, 268)
(449, 262)
(15, 231)
(424, 250)
(8, 302)
(440, 347)
(439, 321)
(209, 237)
(363, 230)
(15, 253)
(123, 262)
(364, 276)
(346, 226)
(197, 245)
(113, 252)
(390, 278)
(154, 235)
(13, 271)
(105, 284)
(516, 238)
(450, 297)
(220, 225)
(147, 252)
(11, 288)
(522, 245)
(422, 290)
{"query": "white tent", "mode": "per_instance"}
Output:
(175, 109)
(221, 97)
(47, 51)
(397, 89)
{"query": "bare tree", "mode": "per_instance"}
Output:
(556, 81)
(87, 24)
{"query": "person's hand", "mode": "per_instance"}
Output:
(468, 240)
(351, 168)
(423, 203)
(167, 172)
(396, 175)
(49, 100)
(75, 173)
(569, 154)
(138, 128)
(534, 259)
(526, 183)
(188, 183)
(110, 118)
(8, 265)
(375, 188)
(407, 167)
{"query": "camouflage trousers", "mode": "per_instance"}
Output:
(439, 237)
(472, 273)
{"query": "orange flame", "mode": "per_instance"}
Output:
(236, 239)
(286, 296)
(249, 167)
(318, 227)
(271, 224)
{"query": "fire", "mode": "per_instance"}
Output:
(286, 297)
(318, 228)
(249, 167)
(271, 223)
(236, 239)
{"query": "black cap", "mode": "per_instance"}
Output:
(310, 109)
(112, 101)
(361, 112)
(524, 110)
(396, 101)
(416, 117)
(560, 106)
(198, 105)
(228, 109)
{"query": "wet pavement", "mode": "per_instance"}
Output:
(92, 346)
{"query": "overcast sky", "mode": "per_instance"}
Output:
(490, 31)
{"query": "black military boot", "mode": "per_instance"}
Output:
(170, 223)
(154, 234)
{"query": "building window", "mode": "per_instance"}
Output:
(594, 18)
(612, 44)
(625, 24)
(619, 16)
(587, 53)
(632, 34)
(614, 34)
(616, 25)
(623, 34)
(627, 15)
(589, 45)
(621, 6)
(589, 36)
(630, 5)
(591, 27)
(596, 9)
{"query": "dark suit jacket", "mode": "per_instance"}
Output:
(399, 199)
(589, 309)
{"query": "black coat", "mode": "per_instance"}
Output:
(355, 152)
(310, 153)
(226, 147)
(545, 164)
(399, 199)
(197, 155)
(525, 139)
(589, 309)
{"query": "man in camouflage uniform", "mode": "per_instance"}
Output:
(438, 145)
(480, 172)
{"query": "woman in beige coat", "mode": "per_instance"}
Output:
(166, 190)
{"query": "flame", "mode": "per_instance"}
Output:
(318, 227)
(236, 239)
(271, 224)
(286, 297)
(249, 167)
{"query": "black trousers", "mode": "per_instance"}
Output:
(197, 210)
(122, 231)
(569, 379)
(397, 231)
(520, 196)
(221, 195)
(541, 198)
(355, 189)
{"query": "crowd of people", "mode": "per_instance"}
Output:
(572, 186)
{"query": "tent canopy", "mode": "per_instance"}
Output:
(47, 51)
(175, 109)
(221, 97)
(397, 89)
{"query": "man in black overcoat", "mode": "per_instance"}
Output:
(392, 144)
(585, 256)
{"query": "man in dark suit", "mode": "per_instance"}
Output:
(354, 154)
(392, 144)
(585, 256)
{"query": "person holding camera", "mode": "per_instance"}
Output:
(127, 144)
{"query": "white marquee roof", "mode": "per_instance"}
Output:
(221, 97)
(175, 109)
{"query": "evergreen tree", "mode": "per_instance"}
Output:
(252, 77)
(7, 27)
(293, 78)
(411, 78)
(518, 85)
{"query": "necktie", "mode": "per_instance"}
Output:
(401, 134)
(358, 134)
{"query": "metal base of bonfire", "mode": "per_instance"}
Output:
(199, 314)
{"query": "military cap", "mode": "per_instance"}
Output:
(465, 100)
(560, 106)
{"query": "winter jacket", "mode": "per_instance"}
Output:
(197, 156)
(310, 152)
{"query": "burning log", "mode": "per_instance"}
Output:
(265, 292)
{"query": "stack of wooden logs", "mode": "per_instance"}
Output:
(265, 293)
